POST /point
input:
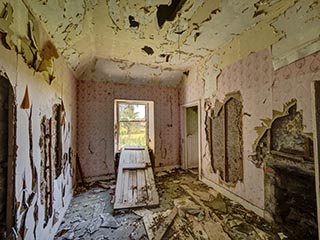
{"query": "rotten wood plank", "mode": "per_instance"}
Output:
(166, 224)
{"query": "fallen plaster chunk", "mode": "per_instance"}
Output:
(204, 196)
(108, 221)
(166, 224)
(94, 225)
(67, 236)
(282, 235)
(206, 209)
(217, 204)
(262, 234)
(155, 222)
(215, 230)
(161, 174)
(213, 192)
(189, 207)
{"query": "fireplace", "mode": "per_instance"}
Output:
(286, 154)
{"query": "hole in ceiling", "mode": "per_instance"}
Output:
(133, 23)
(148, 50)
(166, 56)
(186, 73)
(168, 12)
(196, 36)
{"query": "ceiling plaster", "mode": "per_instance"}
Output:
(104, 39)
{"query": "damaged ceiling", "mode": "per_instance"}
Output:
(155, 41)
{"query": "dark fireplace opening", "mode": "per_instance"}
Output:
(295, 203)
(286, 153)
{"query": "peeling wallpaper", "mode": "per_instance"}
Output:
(96, 123)
(106, 43)
(263, 90)
(46, 87)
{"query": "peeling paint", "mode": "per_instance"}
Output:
(190, 31)
(283, 134)
(148, 50)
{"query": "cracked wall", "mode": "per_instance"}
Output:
(264, 91)
(95, 134)
(31, 61)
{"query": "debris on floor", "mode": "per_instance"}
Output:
(188, 210)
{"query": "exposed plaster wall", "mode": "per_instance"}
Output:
(96, 123)
(30, 212)
(263, 90)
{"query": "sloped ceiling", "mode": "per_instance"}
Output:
(155, 41)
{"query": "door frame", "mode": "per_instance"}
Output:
(316, 142)
(184, 134)
(11, 157)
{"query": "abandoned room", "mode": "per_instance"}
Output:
(159, 119)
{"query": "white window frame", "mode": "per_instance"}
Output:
(149, 119)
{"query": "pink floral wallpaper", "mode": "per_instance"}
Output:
(192, 89)
(96, 123)
(263, 90)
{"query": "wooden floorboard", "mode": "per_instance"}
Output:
(135, 182)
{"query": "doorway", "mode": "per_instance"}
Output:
(7, 131)
(191, 136)
(316, 141)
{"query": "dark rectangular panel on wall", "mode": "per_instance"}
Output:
(226, 139)
(233, 111)
(218, 145)
(317, 110)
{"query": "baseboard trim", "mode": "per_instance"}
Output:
(245, 203)
(166, 168)
(99, 178)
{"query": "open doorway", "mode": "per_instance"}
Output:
(7, 128)
(316, 141)
(191, 136)
(134, 123)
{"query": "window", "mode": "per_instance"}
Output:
(132, 123)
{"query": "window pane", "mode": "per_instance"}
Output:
(132, 134)
(129, 112)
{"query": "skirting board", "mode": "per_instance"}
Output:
(166, 168)
(99, 178)
(234, 197)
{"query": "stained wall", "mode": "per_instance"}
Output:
(20, 63)
(263, 90)
(96, 123)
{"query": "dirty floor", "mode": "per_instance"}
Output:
(188, 210)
